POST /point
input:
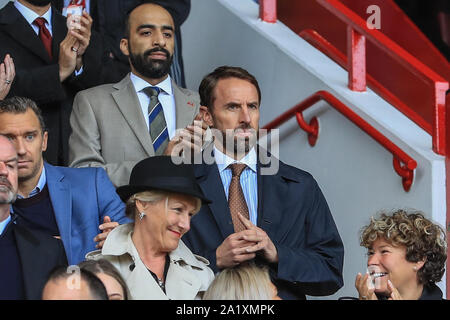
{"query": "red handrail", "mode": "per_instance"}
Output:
(323, 45)
(355, 64)
(403, 57)
(404, 165)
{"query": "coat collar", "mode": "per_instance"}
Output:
(60, 193)
(273, 179)
(119, 242)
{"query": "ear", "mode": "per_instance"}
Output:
(141, 205)
(206, 115)
(124, 46)
(44, 141)
(420, 264)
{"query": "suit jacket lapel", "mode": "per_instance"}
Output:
(269, 202)
(59, 30)
(19, 29)
(185, 108)
(209, 179)
(61, 199)
(128, 103)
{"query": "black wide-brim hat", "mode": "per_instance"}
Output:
(162, 173)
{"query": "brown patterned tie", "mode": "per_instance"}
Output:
(236, 199)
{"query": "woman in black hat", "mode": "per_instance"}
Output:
(161, 197)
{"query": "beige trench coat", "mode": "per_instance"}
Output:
(187, 278)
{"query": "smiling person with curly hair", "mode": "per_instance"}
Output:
(406, 257)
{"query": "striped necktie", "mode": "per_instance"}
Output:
(156, 120)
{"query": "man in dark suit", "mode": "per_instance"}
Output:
(52, 64)
(26, 256)
(278, 217)
(109, 21)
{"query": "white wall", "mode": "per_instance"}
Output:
(3, 2)
(355, 173)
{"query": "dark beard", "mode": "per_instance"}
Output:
(39, 3)
(235, 145)
(153, 69)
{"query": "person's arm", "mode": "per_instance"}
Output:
(109, 201)
(111, 207)
(7, 74)
(85, 148)
(316, 267)
(89, 69)
(44, 84)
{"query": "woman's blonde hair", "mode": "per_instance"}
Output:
(243, 282)
(423, 240)
(150, 196)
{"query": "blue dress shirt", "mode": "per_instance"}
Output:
(248, 179)
(4, 223)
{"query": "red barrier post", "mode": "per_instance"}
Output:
(356, 50)
(268, 10)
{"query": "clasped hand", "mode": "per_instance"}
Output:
(74, 45)
(367, 292)
(242, 246)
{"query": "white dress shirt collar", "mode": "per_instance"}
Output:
(223, 161)
(139, 84)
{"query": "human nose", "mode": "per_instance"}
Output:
(372, 260)
(245, 115)
(185, 223)
(159, 40)
(20, 146)
(3, 169)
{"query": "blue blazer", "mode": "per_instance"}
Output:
(81, 197)
(295, 215)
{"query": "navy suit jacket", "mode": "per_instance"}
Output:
(295, 215)
(81, 197)
(39, 254)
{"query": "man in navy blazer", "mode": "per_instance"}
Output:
(289, 227)
(75, 205)
(27, 256)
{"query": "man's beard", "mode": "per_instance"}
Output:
(6, 188)
(153, 69)
(233, 144)
(22, 178)
(39, 3)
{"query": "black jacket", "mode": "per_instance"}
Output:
(37, 76)
(39, 254)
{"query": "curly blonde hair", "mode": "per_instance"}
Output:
(423, 240)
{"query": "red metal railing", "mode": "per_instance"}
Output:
(357, 34)
(403, 164)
